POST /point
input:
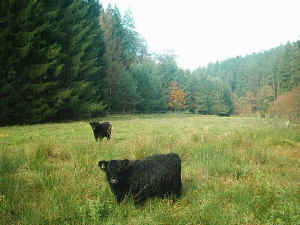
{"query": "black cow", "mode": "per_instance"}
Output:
(101, 130)
(156, 175)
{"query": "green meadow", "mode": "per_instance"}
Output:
(235, 170)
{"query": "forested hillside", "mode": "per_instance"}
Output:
(265, 82)
(65, 60)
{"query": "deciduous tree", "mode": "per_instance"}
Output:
(176, 97)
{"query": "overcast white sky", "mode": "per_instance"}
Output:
(203, 31)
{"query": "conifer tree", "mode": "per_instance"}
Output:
(123, 48)
(28, 63)
(50, 60)
(83, 49)
(147, 84)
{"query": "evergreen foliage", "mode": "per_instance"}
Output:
(50, 56)
(260, 78)
(123, 47)
(147, 84)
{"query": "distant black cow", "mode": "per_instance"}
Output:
(223, 114)
(101, 130)
(156, 175)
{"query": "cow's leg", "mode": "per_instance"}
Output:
(177, 188)
(120, 197)
(141, 195)
(107, 134)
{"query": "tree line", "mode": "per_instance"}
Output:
(264, 83)
(72, 59)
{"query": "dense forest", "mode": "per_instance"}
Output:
(72, 59)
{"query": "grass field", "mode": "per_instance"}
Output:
(234, 171)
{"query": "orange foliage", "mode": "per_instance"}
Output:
(287, 105)
(176, 97)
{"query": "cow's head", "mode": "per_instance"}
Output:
(114, 170)
(93, 125)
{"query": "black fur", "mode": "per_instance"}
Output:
(156, 175)
(101, 130)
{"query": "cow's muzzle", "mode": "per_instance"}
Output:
(114, 180)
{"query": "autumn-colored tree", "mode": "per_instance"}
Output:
(176, 97)
(287, 105)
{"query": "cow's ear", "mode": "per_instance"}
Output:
(102, 165)
(125, 164)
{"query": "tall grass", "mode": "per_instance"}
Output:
(234, 171)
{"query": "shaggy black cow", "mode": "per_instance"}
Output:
(101, 130)
(156, 175)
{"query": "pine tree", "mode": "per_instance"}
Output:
(28, 63)
(83, 49)
(123, 47)
(127, 94)
(48, 64)
(147, 84)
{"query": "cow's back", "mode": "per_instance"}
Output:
(158, 174)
